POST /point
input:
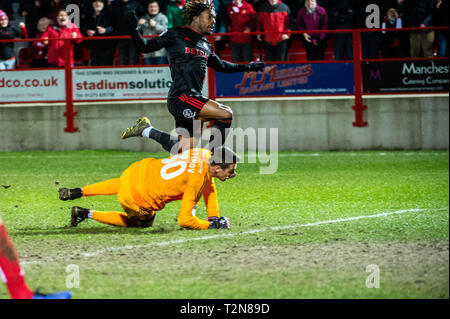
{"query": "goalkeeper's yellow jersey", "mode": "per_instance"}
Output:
(152, 183)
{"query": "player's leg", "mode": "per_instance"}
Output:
(144, 128)
(120, 219)
(185, 109)
(10, 271)
(126, 193)
(79, 214)
(108, 187)
(222, 116)
(189, 133)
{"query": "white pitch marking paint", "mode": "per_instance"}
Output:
(254, 231)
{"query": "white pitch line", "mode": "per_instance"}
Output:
(254, 231)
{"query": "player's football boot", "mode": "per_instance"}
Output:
(78, 214)
(136, 129)
(66, 194)
(56, 295)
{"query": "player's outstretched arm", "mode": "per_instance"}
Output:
(146, 45)
(191, 197)
(211, 200)
(212, 207)
(186, 217)
(220, 65)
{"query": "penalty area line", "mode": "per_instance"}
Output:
(248, 232)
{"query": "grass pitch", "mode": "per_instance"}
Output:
(277, 246)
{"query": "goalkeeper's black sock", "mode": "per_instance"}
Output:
(75, 193)
(219, 133)
(167, 141)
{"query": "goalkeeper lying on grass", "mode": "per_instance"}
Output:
(148, 185)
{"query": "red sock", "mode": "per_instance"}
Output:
(10, 271)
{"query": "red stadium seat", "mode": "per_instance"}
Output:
(24, 59)
(81, 55)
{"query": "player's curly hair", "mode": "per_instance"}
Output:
(194, 8)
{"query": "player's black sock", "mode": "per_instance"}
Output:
(216, 140)
(75, 193)
(166, 140)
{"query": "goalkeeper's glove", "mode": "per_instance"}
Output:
(254, 66)
(218, 222)
(132, 20)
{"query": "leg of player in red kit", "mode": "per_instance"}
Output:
(12, 274)
(10, 270)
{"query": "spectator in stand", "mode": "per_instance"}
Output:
(370, 41)
(294, 6)
(32, 11)
(163, 5)
(38, 50)
(6, 7)
(273, 15)
(342, 17)
(55, 7)
(154, 23)
(419, 13)
(440, 16)
(313, 17)
(62, 30)
(174, 13)
(99, 23)
(221, 8)
(128, 53)
(399, 5)
(241, 17)
(9, 32)
(392, 41)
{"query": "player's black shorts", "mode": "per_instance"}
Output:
(186, 108)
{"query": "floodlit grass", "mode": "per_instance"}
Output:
(315, 261)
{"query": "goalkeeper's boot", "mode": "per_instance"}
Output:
(55, 295)
(78, 214)
(66, 193)
(137, 129)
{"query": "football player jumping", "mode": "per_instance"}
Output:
(189, 54)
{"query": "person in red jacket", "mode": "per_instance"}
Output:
(241, 18)
(274, 15)
(62, 30)
(38, 50)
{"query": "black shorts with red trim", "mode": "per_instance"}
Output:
(186, 108)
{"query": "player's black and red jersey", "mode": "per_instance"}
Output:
(189, 54)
